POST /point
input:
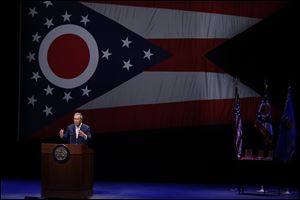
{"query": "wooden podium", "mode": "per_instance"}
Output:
(67, 171)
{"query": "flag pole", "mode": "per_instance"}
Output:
(237, 164)
(288, 120)
(266, 90)
(286, 165)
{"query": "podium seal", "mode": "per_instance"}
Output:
(61, 153)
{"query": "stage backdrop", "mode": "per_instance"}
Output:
(130, 66)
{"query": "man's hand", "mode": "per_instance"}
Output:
(61, 133)
(82, 134)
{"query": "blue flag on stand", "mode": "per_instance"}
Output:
(286, 144)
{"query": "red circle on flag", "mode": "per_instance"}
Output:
(81, 64)
(68, 56)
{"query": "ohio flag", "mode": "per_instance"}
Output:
(71, 55)
(130, 66)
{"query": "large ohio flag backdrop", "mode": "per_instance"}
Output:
(130, 66)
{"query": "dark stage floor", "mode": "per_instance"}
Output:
(131, 190)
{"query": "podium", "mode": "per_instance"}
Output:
(67, 171)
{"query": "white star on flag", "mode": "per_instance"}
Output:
(48, 22)
(126, 42)
(85, 19)
(127, 64)
(36, 37)
(85, 91)
(31, 56)
(32, 12)
(35, 76)
(67, 96)
(49, 90)
(48, 3)
(31, 100)
(47, 110)
(148, 54)
(66, 16)
(106, 54)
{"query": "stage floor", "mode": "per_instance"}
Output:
(16, 189)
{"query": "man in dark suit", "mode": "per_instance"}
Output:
(77, 133)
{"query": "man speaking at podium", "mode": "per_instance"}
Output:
(77, 133)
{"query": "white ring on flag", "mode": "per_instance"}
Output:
(93, 59)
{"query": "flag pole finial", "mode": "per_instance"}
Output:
(236, 81)
(266, 84)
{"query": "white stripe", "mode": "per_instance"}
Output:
(167, 87)
(156, 23)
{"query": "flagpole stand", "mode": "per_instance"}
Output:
(287, 192)
(245, 180)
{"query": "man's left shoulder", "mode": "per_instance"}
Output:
(71, 126)
(85, 126)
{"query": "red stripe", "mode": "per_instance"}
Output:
(156, 116)
(187, 54)
(257, 9)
